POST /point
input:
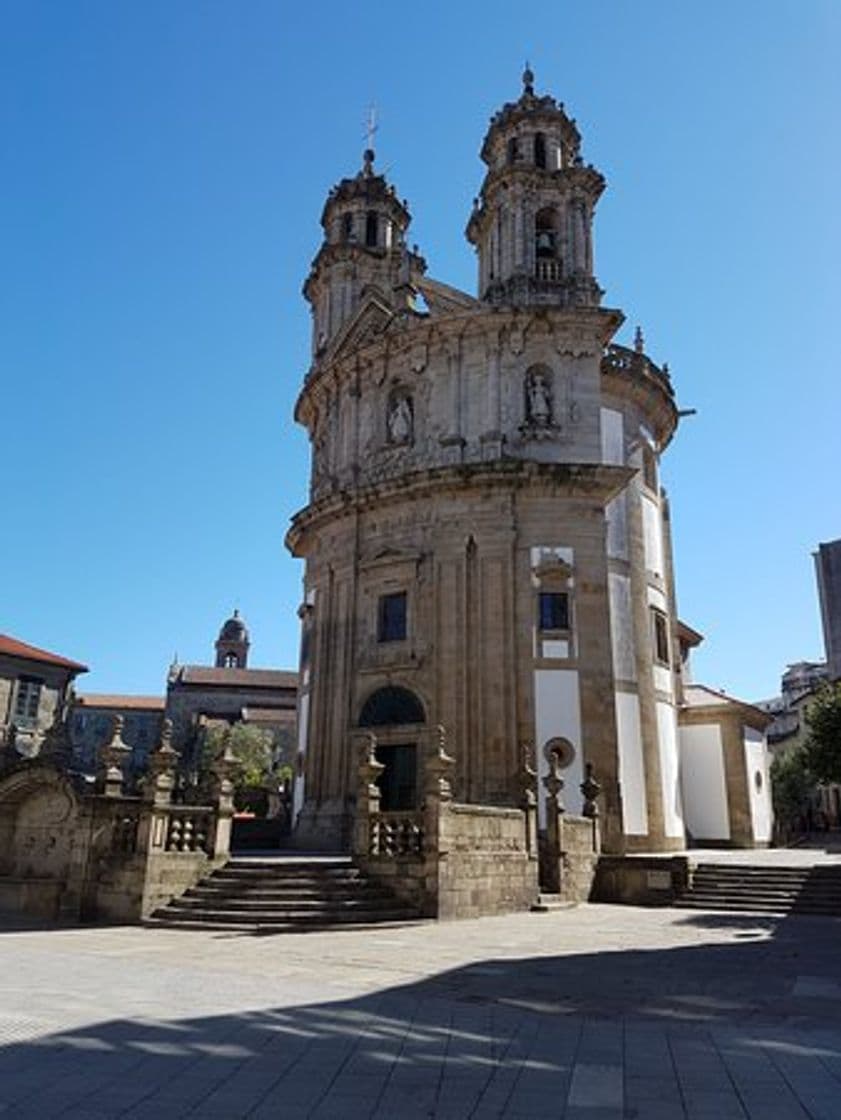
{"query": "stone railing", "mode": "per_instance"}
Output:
(190, 828)
(396, 834)
(548, 269)
(624, 360)
(447, 859)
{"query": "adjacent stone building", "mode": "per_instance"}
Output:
(35, 687)
(487, 544)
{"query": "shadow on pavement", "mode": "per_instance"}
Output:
(627, 1033)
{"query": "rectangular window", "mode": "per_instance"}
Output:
(553, 610)
(660, 629)
(27, 700)
(391, 624)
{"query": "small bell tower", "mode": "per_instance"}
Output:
(363, 252)
(232, 644)
(532, 222)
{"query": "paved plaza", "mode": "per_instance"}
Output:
(585, 1013)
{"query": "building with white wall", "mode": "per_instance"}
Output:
(487, 544)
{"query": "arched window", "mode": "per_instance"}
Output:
(231, 661)
(371, 229)
(347, 227)
(545, 234)
(540, 150)
(391, 705)
(513, 150)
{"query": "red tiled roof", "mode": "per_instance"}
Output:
(237, 678)
(12, 647)
(106, 700)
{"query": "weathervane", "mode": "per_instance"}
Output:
(371, 126)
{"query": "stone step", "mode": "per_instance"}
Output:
(764, 889)
(284, 894)
(292, 918)
(546, 903)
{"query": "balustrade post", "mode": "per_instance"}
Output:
(113, 756)
(222, 794)
(529, 779)
(438, 792)
(590, 790)
(553, 783)
(365, 839)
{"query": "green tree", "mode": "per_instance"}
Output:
(791, 789)
(823, 743)
(254, 752)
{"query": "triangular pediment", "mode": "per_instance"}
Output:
(443, 299)
(390, 557)
(371, 320)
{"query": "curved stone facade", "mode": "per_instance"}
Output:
(485, 526)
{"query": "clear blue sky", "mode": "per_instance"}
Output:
(164, 169)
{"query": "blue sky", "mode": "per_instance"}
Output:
(164, 169)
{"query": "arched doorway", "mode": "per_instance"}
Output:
(393, 713)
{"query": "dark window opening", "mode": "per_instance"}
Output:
(391, 621)
(371, 229)
(391, 705)
(553, 610)
(661, 637)
(513, 150)
(28, 699)
(347, 227)
(540, 150)
(544, 233)
(231, 661)
(398, 782)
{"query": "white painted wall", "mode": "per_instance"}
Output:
(702, 782)
(631, 766)
(303, 728)
(652, 535)
(613, 437)
(757, 762)
(621, 627)
(613, 452)
(557, 712)
(669, 769)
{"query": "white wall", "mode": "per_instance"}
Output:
(613, 452)
(703, 783)
(757, 762)
(669, 769)
(557, 712)
(621, 628)
(631, 765)
(652, 535)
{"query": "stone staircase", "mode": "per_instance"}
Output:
(768, 889)
(252, 895)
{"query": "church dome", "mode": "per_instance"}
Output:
(233, 629)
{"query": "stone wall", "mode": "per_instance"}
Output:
(484, 866)
(640, 880)
(579, 858)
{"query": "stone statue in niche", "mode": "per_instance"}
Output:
(539, 399)
(400, 421)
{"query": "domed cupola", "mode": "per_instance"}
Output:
(363, 251)
(532, 224)
(232, 644)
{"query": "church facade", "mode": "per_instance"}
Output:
(487, 545)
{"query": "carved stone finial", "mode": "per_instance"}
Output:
(590, 790)
(164, 756)
(553, 783)
(639, 341)
(528, 81)
(439, 766)
(113, 757)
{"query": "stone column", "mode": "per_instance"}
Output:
(590, 790)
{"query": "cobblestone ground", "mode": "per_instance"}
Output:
(585, 1014)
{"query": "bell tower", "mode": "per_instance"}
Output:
(532, 222)
(363, 252)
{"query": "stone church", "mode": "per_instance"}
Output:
(487, 544)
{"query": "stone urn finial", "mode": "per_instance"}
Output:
(590, 790)
(113, 758)
(553, 783)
